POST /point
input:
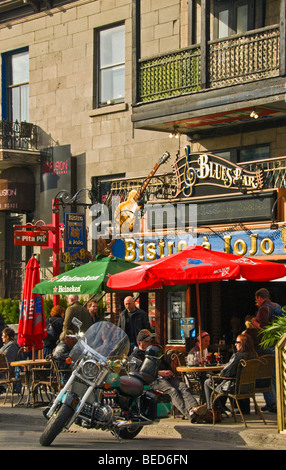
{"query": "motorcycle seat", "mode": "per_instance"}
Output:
(146, 379)
(131, 385)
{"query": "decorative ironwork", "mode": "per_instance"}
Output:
(239, 59)
(273, 170)
(160, 187)
(18, 135)
(177, 73)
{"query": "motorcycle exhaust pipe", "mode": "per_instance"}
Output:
(129, 424)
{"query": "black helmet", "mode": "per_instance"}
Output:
(154, 351)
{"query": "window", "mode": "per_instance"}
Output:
(232, 17)
(176, 311)
(111, 65)
(244, 154)
(15, 86)
(254, 153)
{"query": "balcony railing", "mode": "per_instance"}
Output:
(274, 170)
(239, 59)
(18, 135)
(178, 73)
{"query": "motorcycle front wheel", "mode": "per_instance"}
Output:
(56, 424)
(129, 433)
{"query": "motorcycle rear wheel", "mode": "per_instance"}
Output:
(55, 425)
(129, 433)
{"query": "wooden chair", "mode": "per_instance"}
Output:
(174, 359)
(264, 375)
(244, 387)
(45, 379)
(7, 377)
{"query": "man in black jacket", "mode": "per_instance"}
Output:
(132, 320)
(166, 382)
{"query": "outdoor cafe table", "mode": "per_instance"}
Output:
(29, 364)
(200, 373)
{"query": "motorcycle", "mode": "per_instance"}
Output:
(102, 391)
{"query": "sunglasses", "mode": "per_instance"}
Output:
(237, 342)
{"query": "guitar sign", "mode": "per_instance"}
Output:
(125, 214)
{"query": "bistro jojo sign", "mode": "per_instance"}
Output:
(263, 242)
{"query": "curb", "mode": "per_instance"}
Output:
(255, 438)
(266, 439)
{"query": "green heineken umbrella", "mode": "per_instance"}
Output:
(90, 278)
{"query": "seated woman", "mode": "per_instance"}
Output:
(245, 350)
(10, 346)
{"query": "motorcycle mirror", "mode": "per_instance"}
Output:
(77, 322)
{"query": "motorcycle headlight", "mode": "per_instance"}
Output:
(90, 369)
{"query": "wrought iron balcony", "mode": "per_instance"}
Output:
(18, 135)
(274, 170)
(238, 59)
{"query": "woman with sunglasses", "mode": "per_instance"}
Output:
(244, 350)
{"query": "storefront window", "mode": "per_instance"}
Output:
(176, 310)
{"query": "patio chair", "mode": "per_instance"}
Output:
(7, 377)
(244, 387)
(174, 359)
(45, 378)
(264, 375)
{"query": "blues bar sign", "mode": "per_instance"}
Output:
(202, 174)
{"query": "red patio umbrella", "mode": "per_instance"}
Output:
(195, 265)
(32, 322)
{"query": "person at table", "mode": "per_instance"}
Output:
(166, 382)
(62, 352)
(63, 348)
(75, 309)
(244, 350)
(10, 346)
(205, 344)
(54, 328)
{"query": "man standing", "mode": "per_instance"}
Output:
(77, 310)
(265, 315)
(266, 309)
(132, 320)
(92, 307)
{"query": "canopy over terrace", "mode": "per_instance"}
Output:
(195, 265)
(89, 278)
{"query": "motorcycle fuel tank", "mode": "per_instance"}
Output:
(131, 386)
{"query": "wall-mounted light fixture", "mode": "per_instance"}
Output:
(175, 133)
(254, 114)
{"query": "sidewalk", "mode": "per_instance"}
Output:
(256, 435)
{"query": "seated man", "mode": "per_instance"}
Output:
(167, 383)
(62, 351)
